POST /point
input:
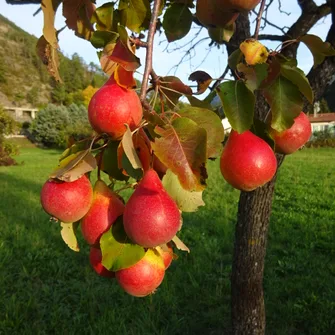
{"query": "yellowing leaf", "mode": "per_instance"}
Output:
(186, 201)
(49, 8)
(74, 166)
(180, 244)
(69, 236)
(124, 78)
(107, 65)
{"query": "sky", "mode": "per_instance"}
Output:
(164, 57)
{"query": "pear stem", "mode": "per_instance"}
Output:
(258, 20)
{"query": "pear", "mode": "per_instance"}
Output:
(151, 216)
(247, 161)
(254, 52)
(105, 209)
(67, 201)
(144, 277)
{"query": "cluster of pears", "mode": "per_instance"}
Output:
(151, 218)
(248, 162)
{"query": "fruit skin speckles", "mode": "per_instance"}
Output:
(292, 139)
(247, 161)
(111, 107)
(254, 52)
(67, 201)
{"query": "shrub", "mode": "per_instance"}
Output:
(55, 125)
(325, 138)
(7, 150)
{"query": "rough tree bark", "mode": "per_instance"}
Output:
(254, 210)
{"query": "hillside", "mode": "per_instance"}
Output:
(24, 80)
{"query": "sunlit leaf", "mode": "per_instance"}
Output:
(124, 78)
(212, 123)
(177, 21)
(118, 252)
(138, 14)
(69, 236)
(107, 65)
(78, 146)
(180, 244)
(285, 101)
(187, 201)
(238, 104)
(318, 48)
(74, 166)
(182, 148)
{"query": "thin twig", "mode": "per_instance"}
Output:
(150, 44)
(259, 18)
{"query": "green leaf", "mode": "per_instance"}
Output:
(110, 162)
(212, 123)
(138, 14)
(103, 16)
(318, 48)
(195, 102)
(235, 58)
(74, 166)
(238, 104)
(101, 38)
(118, 252)
(186, 201)
(177, 22)
(182, 148)
(298, 78)
(222, 35)
(254, 75)
(285, 101)
(69, 236)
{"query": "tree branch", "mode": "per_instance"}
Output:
(259, 19)
(150, 45)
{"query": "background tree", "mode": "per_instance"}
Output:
(248, 312)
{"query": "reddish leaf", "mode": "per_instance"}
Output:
(182, 148)
(124, 53)
(78, 14)
(124, 78)
(203, 80)
(173, 88)
(49, 57)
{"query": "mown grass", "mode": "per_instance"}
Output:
(45, 288)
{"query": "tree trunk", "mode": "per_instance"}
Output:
(247, 305)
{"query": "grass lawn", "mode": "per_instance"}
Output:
(45, 288)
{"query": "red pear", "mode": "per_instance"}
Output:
(144, 277)
(111, 107)
(290, 140)
(238, 5)
(166, 252)
(105, 209)
(151, 217)
(67, 201)
(247, 161)
(211, 13)
(95, 260)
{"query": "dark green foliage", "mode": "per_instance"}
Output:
(325, 138)
(55, 125)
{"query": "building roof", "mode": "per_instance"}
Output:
(322, 117)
